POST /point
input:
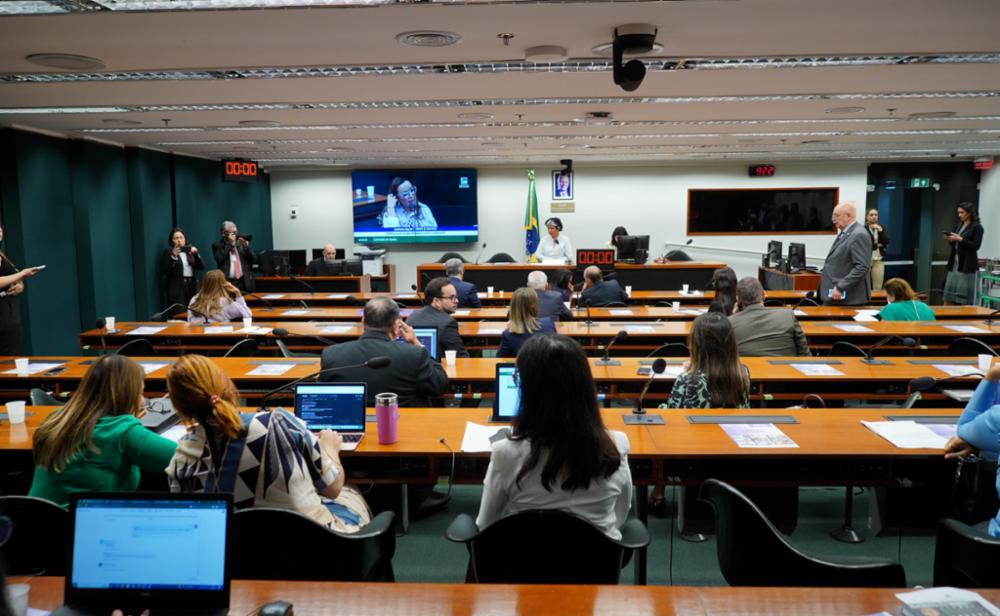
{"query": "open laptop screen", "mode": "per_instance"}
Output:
(508, 395)
(155, 544)
(331, 406)
(428, 337)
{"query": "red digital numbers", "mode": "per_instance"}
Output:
(761, 171)
(241, 168)
(595, 257)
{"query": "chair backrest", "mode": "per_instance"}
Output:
(451, 255)
(671, 349)
(283, 348)
(807, 301)
(965, 557)
(966, 346)
(501, 257)
(37, 544)
(752, 552)
(545, 547)
(40, 397)
(844, 349)
(677, 255)
(615, 305)
(140, 347)
(774, 302)
(305, 550)
(244, 348)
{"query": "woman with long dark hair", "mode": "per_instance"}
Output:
(714, 377)
(615, 237)
(724, 282)
(963, 262)
(559, 454)
(179, 265)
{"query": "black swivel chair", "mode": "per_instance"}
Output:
(244, 348)
(671, 349)
(752, 552)
(40, 397)
(286, 352)
(37, 544)
(501, 257)
(306, 550)
(806, 301)
(545, 547)
(965, 347)
(452, 255)
(776, 303)
(965, 557)
(140, 347)
(613, 305)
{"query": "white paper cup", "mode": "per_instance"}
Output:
(628, 289)
(17, 598)
(677, 306)
(684, 288)
(985, 361)
(21, 365)
(247, 322)
(489, 290)
(15, 411)
(109, 323)
(449, 357)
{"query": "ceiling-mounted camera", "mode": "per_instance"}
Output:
(567, 164)
(631, 39)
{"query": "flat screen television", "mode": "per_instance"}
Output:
(796, 256)
(769, 211)
(415, 206)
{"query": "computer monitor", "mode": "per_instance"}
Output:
(773, 253)
(353, 267)
(273, 262)
(796, 256)
(297, 261)
(507, 401)
(633, 248)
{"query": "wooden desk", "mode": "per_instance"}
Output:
(649, 276)
(370, 599)
(777, 280)
(322, 284)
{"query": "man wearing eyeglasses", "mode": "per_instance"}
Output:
(440, 300)
(403, 210)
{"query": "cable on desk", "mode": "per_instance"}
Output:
(451, 474)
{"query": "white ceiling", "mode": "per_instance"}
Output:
(416, 116)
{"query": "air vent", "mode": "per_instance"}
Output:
(428, 38)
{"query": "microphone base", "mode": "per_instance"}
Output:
(607, 362)
(876, 362)
(645, 419)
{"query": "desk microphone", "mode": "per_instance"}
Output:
(477, 263)
(586, 304)
(869, 359)
(261, 298)
(163, 315)
(281, 332)
(994, 314)
(638, 415)
(375, 363)
(305, 284)
(923, 384)
(605, 360)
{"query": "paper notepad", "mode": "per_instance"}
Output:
(967, 329)
(219, 329)
(858, 329)
(146, 330)
(295, 313)
(152, 366)
(799, 313)
(620, 311)
(336, 329)
(35, 368)
(477, 437)
(639, 329)
(672, 371)
(866, 315)
(907, 434)
(758, 436)
(957, 370)
(817, 369)
(273, 296)
(695, 311)
(486, 331)
(175, 432)
(691, 293)
(270, 370)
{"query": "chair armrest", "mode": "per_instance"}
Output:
(968, 532)
(634, 535)
(462, 529)
(381, 523)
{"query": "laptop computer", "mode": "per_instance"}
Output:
(507, 401)
(159, 551)
(333, 406)
(428, 337)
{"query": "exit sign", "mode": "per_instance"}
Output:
(920, 183)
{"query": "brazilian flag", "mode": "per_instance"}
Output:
(531, 217)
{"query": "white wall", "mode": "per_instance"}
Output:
(650, 200)
(989, 211)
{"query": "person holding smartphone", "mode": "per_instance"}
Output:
(963, 262)
(11, 286)
(178, 266)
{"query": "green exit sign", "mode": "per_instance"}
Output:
(920, 183)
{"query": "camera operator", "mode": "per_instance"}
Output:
(178, 266)
(234, 257)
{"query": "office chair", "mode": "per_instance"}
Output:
(244, 348)
(37, 544)
(286, 352)
(671, 349)
(452, 255)
(140, 347)
(965, 346)
(965, 557)
(501, 257)
(40, 397)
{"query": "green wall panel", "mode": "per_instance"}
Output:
(151, 209)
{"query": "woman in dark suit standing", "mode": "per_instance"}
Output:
(963, 262)
(178, 266)
(11, 286)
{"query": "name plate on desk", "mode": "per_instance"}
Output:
(925, 419)
(741, 419)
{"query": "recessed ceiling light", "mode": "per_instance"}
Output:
(604, 50)
(476, 116)
(67, 61)
(923, 115)
(428, 38)
(845, 109)
(120, 122)
(259, 123)
(545, 53)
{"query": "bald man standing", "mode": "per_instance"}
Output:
(326, 265)
(845, 276)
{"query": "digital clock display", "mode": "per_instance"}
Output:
(761, 171)
(240, 171)
(595, 256)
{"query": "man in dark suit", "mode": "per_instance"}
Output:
(550, 303)
(327, 265)
(468, 295)
(440, 300)
(234, 257)
(760, 331)
(412, 375)
(600, 292)
(845, 278)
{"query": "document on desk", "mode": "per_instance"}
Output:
(907, 434)
(406, 295)
(337, 296)
(270, 370)
(35, 368)
(691, 293)
(799, 313)
(336, 329)
(146, 330)
(857, 329)
(618, 312)
(758, 436)
(219, 329)
(273, 296)
(866, 315)
(946, 594)
(957, 369)
(260, 331)
(477, 437)
(487, 331)
(945, 430)
(817, 369)
(150, 367)
(175, 432)
(460, 313)
(672, 371)
(967, 329)
(640, 329)
(295, 313)
(694, 311)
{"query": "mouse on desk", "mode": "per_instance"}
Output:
(276, 608)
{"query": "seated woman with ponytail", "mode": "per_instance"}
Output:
(266, 459)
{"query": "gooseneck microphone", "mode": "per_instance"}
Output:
(259, 297)
(638, 414)
(923, 384)
(281, 332)
(605, 359)
(164, 314)
(477, 263)
(870, 359)
(375, 363)
(312, 291)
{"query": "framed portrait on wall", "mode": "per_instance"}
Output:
(562, 186)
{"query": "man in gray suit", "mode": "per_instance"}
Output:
(760, 331)
(550, 303)
(845, 276)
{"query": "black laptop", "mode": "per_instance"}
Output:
(159, 551)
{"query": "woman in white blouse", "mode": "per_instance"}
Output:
(555, 245)
(559, 454)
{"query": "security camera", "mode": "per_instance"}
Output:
(567, 164)
(631, 39)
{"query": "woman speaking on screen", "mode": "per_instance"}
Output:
(403, 210)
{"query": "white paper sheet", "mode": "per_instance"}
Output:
(337, 296)
(336, 329)
(484, 331)
(907, 434)
(799, 313)
(35, 368)
(460, 313)
(957, 369)
(152, 366)
(672, 371)
(175, 432)
(270, 370)
(295, 313)
(477, 437)
(620, 311)
(691, 293)
(866, 315)
(639, 329)
(945, 594)
(146, 330)
(967, 329)
(695, 311)
(273, 296)
(569, 306)
(945, 430)
(860, 329)
(758, 436)
(817, 370)
(406, 295)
